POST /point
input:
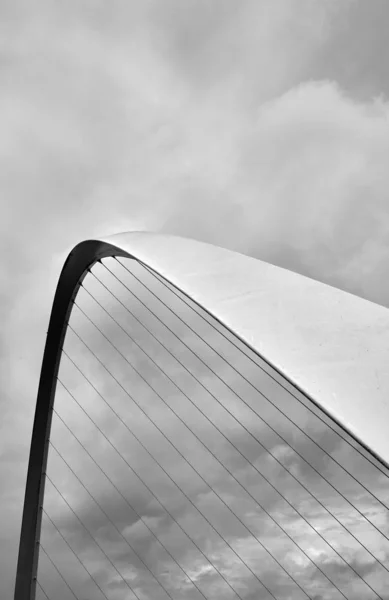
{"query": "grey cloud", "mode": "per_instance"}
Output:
(356, 55)
(228, 48)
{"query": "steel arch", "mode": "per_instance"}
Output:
(80, 260)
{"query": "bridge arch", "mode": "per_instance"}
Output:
(264, 307)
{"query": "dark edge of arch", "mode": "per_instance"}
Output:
(76, 266)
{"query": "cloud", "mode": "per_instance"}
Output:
(354, 57)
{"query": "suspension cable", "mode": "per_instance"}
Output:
(150, 490)
(164, 470)
(223, 466)
(104, 512)
(185, 301)
(246, 404)
(41, 588)
(59, 572)
(119, 492)
(75, 554)
(228, 440)
(233, 445)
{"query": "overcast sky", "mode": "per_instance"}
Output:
(261, 125)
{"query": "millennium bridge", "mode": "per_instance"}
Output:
(207, 426)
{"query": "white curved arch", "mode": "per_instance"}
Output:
(333, 345)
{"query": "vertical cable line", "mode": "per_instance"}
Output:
(254, 411)
(91, 536)
(75, 553)
(382, 467)
(177, 486)
(40, 586)
(234, 446)
(223, 466)
(59, 572)
(101, 508)
(124, 498)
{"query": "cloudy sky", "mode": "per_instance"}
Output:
(261, 125)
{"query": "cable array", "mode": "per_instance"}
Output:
(266, 367)
(174, 473)
(229, 412)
